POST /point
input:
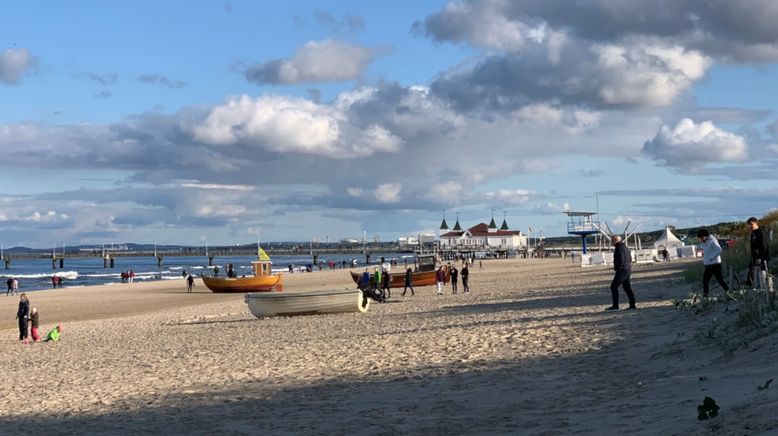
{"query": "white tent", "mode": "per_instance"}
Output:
(668, 241)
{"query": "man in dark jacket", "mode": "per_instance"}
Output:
(622, 264)
(454, 278)
(760, 251)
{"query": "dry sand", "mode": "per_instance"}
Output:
(529, 351)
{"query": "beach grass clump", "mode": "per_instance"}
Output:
(742, 317)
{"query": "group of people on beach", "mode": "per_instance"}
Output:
(13, 286)
(56, 281)
(29, 324)
(128, 276)
(711, 259)
(454, 274)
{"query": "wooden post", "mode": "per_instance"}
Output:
(106, 261)
(53, 263)
(7, 263)
(731, 277)
(367, 258)
(62, 262)
(210, 260)
(159, 261)
(112, 262)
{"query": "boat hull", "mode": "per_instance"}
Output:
(244, 284)
(306, 303)
(397, 280)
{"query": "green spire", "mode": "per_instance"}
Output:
(504, 225)
(492, 224)
(457, 227)
(444, 225)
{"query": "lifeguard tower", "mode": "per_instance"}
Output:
(582, 224)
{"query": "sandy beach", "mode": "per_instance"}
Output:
(529, 351)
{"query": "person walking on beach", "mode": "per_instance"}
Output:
(454, 278)
(34, 334)
(54, 282)
(15, 286)
(622, 264)
(440, 279)
(711, 258)
(189, 283)
(131, 275)
(22, 315)
(465, 273)
(760, 252)
(10, 283)
(408, 281)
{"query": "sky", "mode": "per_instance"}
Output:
(227, 121)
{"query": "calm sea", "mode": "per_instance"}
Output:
(36, 274)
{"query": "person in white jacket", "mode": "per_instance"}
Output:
(711, 258)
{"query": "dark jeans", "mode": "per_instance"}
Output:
(22, 329)
(465, 285)
(712, 271)
(454, 285)
(622, 279)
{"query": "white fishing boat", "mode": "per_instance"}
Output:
(306, 303)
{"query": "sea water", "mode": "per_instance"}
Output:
(36, 274)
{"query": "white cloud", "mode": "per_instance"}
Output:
(447, 192)
(510, 196)
(14, 63)
(293, 125)
(217, 186)
(692, 146)
(647, 75)
(46, 217)
(355, 192)
(550, 208)
(388, 192)
(325, 61)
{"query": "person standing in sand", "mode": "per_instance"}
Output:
(408, 281)
(440, 280)
(711, 258)
(385, 281)
(22, 315)
(15, 286)
(622, 264)
(760, 251)
(34, 334)
(454, 278)
(189, 283)
(377, 281)
(465, 273)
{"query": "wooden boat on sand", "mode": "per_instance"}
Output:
(397, 280)
(262, 281)
(244, 284)
(306, 303)
(423, 276)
